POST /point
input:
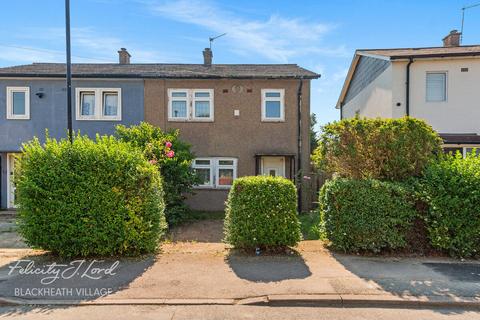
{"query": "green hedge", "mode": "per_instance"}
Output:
(261, 212)
(365, 215)
(89, 198)
(385, 149)
(451, 188)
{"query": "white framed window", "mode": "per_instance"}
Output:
(18, 103)
(436, 86)
(217, 173)
(98, 104)
(273, 104)
(190, 104)
(463, 149)
(204, 169)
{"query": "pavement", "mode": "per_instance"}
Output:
(230, 312)
(210, 273)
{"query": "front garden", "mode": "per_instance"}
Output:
(393, 189)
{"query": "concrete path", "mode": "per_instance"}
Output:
(8, 235)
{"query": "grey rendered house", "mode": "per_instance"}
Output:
(437, 84)
(240, 119)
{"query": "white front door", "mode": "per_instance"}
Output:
(10, 185)
(273, 166)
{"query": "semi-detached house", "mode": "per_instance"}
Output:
(440, 85)
(241, 119)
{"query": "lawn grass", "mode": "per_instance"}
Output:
(310, 225)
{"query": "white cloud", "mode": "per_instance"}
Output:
(276, 38)
(88, 46)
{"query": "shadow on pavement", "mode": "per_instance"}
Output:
(48, 277)
(417, 277)
(268, 268)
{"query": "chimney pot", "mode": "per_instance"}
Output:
(452, 39)
(207, 57)
(123, 56)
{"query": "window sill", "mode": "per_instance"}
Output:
(273, 120)
(101, 119)
(18, 118)
(189, 120)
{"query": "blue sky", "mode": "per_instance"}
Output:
(318, 35)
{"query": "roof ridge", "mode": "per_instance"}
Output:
(420, 48)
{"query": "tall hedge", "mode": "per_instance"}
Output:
(173, 158)
(365, 215)
(451, 188)
(261, 212)
(89, 198)
(385, 149)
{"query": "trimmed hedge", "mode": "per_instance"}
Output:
(451, 188)
(261, 212)
(89, 198)
(365, 215)
(385, 149)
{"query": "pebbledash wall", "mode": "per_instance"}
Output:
(49, 112)
(241, 137)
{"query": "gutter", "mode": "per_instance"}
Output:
(407, 88)
(299, 144)
(145, 76)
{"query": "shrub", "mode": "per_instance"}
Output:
(172, 157)
(385, 149)
(89, 198)
(451, 188)
(369, 215)
(261, 212)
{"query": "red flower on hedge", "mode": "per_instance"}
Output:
(170, 154)
(168, 144)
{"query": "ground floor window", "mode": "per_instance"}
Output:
(215, 172)
(463, 149)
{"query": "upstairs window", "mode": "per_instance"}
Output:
(98, 104)
(215, 173)
(18, 103)
(436, 87)
(190, 104)
(273, 108)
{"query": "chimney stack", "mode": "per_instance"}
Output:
(123, 56)
(453, 39)
(207, 57)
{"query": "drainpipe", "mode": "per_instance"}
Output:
(407, 88)
(299, 144)
(341, 110)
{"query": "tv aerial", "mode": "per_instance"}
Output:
(211, 39)
(463, 17)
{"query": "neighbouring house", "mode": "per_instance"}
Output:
(241, 119)
(440, 85)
